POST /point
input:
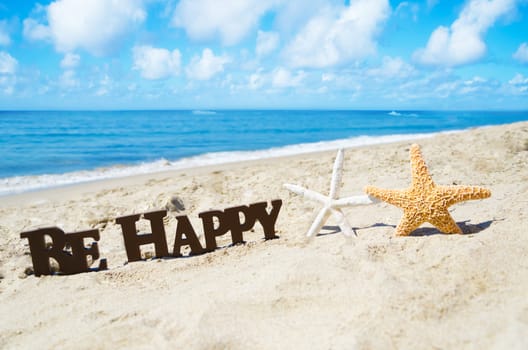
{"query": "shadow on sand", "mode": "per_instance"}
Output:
(466, 228)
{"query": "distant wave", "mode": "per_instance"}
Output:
(397, 114)
(201, 112)
(19, 184)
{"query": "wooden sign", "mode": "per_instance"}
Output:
(71, 254)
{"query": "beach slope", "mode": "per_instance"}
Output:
(375, 290)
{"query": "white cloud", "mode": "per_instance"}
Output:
(518, 79)
(8, 78)
(70, 60)
(267, 42)
(521, 54)
(473, 85)
(406, 7)
(231, 20)
(105, 85)
(8, 64)
(475, 80)
(156, 63)
(256, 80)
(68, 80)
(293, 14)
(4, 34)
(431, 4)
(279, 78)
(392, 67)
(206, 66)
(519, 83)
(322, 90)
(33, 30)
(463, 41)
(7, 84)
(282, 78)
(95, 26)
(338, 34)
(328, 77)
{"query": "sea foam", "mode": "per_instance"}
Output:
(20, 184)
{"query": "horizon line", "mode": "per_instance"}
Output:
(261, 109)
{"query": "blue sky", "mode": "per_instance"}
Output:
(356, 54)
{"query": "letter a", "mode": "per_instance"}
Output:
(185, 227)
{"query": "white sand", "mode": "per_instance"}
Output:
(375, 290)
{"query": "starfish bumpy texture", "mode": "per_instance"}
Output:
(331, 203)
(425, 201)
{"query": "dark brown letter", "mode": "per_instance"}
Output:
(133, 241)
(267, 220)
(80, 252)
(232, 220)
(185, 227)
(68, 263)
(209, 227)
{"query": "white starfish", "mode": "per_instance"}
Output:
(331, 203)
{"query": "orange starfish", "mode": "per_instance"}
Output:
(425, 201)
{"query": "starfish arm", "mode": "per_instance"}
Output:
(408, 223)
(343, 223)
(304, 192)
(420, 174)
(337, 174)
(354, 200)
(318, 223)
(394, 197)
(444, 222)
(456, 194)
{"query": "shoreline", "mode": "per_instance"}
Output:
(90, 154)
(58, 191)
(206, 160)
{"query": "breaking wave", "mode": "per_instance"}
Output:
(19, 184)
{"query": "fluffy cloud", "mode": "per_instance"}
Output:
(521, 54)
(8, 68)
(256, 80)
(70, 60)
(293, 14)
(68, 80)
(267, 42)
(518, 79)
(156, 63)
(473, 85)
(8, 64)
(392, 67)
(278, 78)
(206, 66)
(231, 20)
(520, 83)
(94, 25)
(431, 4)
(7, 84)
(4, 34)
(338, 34)
(282, 78)
(406, 8)
(105, 85)
(463, 41)
(33, 30)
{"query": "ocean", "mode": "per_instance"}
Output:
(42, 149)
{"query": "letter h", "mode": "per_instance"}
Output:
(133, 240)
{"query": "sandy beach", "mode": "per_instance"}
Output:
(372, 291)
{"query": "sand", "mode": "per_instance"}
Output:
(373, 291)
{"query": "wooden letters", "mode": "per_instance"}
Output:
(71, 254)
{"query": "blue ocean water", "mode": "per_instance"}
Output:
(47, 148)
